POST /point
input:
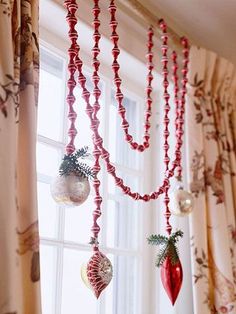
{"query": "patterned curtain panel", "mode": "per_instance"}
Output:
(19, 240)
(211, 144)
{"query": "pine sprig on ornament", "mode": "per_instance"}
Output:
(168, 247)
(71, 164)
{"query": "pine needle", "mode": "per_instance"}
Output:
(168, 247)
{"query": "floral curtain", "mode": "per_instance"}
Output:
(19, 240)
(211, 156)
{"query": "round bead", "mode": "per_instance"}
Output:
(134, 145)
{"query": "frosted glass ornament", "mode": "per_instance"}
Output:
(71, 190)
(181, 202)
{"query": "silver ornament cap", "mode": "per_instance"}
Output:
(70, 190)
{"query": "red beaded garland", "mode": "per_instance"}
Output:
(164, 48)
(75, 63)
(96, 152)
(182, 101)
(72, 7)
(99, 141)
(117, 82)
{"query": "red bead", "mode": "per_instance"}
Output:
(134, 145)
(146, 198)
(140, 148)
(129, 138)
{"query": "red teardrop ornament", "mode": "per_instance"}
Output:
(172, 277)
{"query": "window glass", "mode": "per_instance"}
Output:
(76, 296)
(78, 222)
(48, 271)
(124, 156)
(51, 96)
(48, 212)
(48, 159)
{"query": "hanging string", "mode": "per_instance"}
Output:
(117, 82)
(72, 7)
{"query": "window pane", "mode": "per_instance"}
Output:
(77, 298)
(78, 222)
(84, 136)
(123, 215)
(121, 294)
(122, 224)
(128, 179)
(48, 159)
(51, 96)
(119, 149)
(48, 257)
(48, 212)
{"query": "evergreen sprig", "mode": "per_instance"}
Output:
(168, 247)
(71, 164)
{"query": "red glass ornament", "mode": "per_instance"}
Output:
(172, 277)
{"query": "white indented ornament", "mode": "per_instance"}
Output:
(70, 190)
(181, 202)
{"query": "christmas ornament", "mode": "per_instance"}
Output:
(181, 202)
(71, 190)
(171, 278)
(71, 187)
(98, 272)
(169, 262)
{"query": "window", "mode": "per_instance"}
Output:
(136, 286)
(65, 232)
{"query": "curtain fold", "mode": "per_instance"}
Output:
(211, 162)
(19, 238)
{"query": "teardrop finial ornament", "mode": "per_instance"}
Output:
(99, 272)
(171, 278)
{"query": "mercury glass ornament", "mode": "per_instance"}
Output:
(98, 273)
(181, 202)
(70, 190)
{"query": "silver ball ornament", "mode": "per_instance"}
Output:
(70, 190)
(181, 202)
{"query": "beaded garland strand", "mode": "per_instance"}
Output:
(117, 82)
(98, 279)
